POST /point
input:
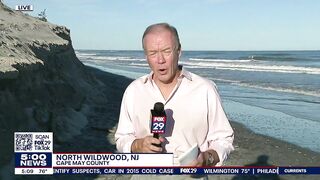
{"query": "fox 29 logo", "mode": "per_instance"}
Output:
(158, 124)
(33, 159)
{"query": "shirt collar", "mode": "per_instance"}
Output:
(184, 73)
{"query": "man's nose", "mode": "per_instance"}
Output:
(160, 58)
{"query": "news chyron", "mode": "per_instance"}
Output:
(33, 152)
(34, 156)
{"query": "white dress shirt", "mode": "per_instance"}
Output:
(194, 116)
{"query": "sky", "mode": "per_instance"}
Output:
(201, 24)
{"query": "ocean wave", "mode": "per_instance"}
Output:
(284, 57)
(109, 58)
(139, 64)
(270, 88)
(128, 74)
(275, 58)
(221, 60)
(281, 89)
(224, 80)
(85, 54)
(133, 59)
(253, 67)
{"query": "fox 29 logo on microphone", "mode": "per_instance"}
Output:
(158, 124)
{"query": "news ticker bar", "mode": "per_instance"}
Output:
(34, 155)
(175, 170)
(49, 160)
(108, 163)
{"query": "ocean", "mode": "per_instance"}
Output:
(273, 93)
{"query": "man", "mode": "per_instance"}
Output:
(192, 104)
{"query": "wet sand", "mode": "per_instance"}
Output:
(250, 149)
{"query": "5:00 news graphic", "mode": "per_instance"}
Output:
(34, 155)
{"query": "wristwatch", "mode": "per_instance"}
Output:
(210, 159)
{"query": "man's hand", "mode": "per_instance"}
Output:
(204, 159)
(146, 145)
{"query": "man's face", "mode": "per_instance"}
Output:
(162, 54)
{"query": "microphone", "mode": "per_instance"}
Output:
(158, 120)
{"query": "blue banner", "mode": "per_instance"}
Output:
(33, 160)
(191, 170)
(299, 170)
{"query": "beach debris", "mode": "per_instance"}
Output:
(42, 15)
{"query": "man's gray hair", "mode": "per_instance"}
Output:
(165, 26)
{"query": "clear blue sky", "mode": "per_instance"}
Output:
(202, 24)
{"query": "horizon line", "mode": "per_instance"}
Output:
(192, 50)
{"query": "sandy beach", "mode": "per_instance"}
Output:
(250, 149)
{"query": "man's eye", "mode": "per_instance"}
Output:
(152, 53)
(167, 52)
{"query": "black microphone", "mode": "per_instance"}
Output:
(158, 120)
